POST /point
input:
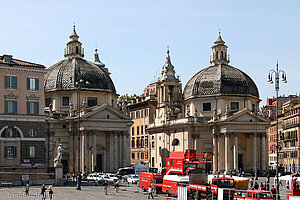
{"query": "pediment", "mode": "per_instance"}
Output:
(105, 112)
(246, 115)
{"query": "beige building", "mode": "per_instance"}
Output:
(218, 115)
(23, 130)
(81, 102)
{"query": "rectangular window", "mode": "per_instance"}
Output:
(48, 102)
(10, 82)
(32, 108)
(32, 151)
(65, 101)
(32, 84)
(10, 151)
(234, 106)
(11, 107)
(206, 106)
(132, 131)
(146, 112)
(137, 130)
(142, 129)
(92, 101)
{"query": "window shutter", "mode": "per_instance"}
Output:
(5, 151)
(28, 152)
(37, 108)
(15, 151)
(14, 133)
(15, 82)
(28, 83)
(36, 84)
(6, 105)
(6, 82)
(6, 132)
(15, 107)
(36, 151)
(28, 108)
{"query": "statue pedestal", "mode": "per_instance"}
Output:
(58, 174)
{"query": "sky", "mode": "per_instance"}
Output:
(132, 36)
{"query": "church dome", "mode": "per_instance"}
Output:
(64, 74)
(220, 78)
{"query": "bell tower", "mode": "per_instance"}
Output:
(169, 92)
(74, 48)
(219, 51)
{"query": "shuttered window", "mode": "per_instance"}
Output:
(11, 106)
(32, 108)
(10, 82)
(32, 151)
(10, 151)
(32, 84)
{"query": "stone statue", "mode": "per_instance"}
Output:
(227, 111)
(215, 114)
(57, 159)
(71, 109)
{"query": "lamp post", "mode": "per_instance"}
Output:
(78, 186)
(276, 73)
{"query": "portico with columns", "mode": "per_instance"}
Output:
(239, 142)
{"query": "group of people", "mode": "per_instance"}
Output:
(116, 187)
(262, 186)
(43, 191)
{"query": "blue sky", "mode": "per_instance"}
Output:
(132, 36)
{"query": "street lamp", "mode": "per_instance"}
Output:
(276, 73)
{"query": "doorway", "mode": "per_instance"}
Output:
(99, 163)
(240, 161)
(65, 166)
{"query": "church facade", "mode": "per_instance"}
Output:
(81, 104)
(216, 113)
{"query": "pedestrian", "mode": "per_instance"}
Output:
(273, 191)
(251, 182)
(268, 178)
(261, 186)
(230, 171)
(256, 186)
(117, 188)
(43, 192)
(27, 189)
(105, 187)
(50, 193)
(150, 193)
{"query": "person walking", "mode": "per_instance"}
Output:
(273, 191)
(43, 192)
(105, 187)
(256, 186)
(27, 189)
(50, 193)
(251, 182)
(150, 193)
(117, 188)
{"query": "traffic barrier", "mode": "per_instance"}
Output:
(145, 193)
(124, 190)
(136, 191)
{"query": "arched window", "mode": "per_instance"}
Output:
(222, 55)
(76, 49)
(132, 144)
(175, 142)
(10, 133)
(217, 55)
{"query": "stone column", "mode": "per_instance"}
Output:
(263, 152)
(215, 150)
(254, 152)
(235, 151)
(227, 152)
(83, 147)
(248, 166)
(94, 158)
(111, 152)
(116, 153)
(125, 147)
(220, 158)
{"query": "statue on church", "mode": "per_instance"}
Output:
(227, 111)
(215, 114)
(57, 159)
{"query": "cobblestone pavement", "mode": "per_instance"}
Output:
(70, 193)
(92, 192)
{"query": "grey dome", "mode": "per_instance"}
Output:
(64, 74)
(220, 79)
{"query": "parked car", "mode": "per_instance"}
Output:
(113, 176)
(133, 179)
(107, 178)
(93, 177)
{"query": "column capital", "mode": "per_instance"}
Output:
(264, 134)
(227, 134)
(235, 134)
(255, 134)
